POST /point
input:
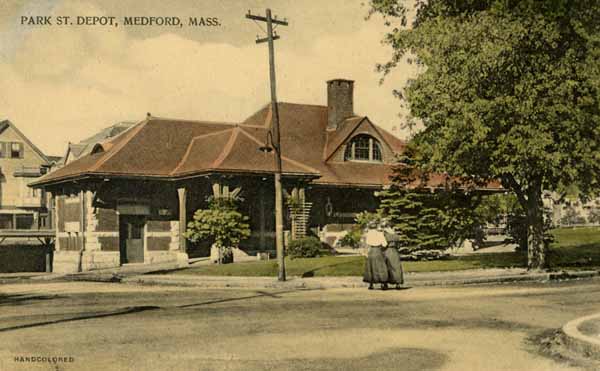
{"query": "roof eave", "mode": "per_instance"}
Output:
(84, 176)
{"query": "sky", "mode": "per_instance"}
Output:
(61, 84)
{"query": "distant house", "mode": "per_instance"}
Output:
(21, 162)
(571, 211)
(84, 147)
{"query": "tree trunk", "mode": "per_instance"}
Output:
(536, 249)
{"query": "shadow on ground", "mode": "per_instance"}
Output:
(12, 299)
(311, 273)
(23, 299)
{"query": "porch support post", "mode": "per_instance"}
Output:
(262, 218)
(82, 214)
(182, 194)
(49, 202)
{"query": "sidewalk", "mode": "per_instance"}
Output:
(148, 274)
(482, 276)
(99, 275)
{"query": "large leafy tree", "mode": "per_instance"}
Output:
(509, 90)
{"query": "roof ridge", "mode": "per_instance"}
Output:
(227, 149)
(130, 134)
(189, 148)
(390, 133)
(378, 130)
(269, 117)
(299, 164)
(304, 104)
(326, 145)
(356, 125)
(190, 120)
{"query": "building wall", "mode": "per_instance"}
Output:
(162, 235)
(88, 234)
(14, 191)
(69, 236)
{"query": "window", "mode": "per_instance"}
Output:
(24, 221)
(32, 192)
(16, 150)
(6, 221)
(363, 148)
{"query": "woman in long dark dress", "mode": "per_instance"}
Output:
(394, 266)
(392, 256)
(376, 270)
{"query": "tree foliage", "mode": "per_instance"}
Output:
(509, 91)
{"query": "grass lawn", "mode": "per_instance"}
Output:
(573, 249)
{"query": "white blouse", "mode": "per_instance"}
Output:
(375, 238)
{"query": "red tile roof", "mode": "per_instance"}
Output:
(173, 149)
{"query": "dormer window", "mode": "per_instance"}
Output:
(363, 147)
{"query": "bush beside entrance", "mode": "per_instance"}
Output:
(307, 247)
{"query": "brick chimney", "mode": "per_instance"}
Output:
(340, 101)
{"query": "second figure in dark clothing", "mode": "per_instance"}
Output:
(394, 266)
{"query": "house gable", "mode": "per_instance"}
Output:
(17, 171)
(9, 133)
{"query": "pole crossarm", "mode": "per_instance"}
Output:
(283, 22)
(266, 39)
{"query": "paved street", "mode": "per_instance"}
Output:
(111, 326)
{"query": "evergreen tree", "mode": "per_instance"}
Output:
(426, 219)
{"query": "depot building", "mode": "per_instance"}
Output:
(130, 199)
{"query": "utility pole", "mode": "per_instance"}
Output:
(271, 36)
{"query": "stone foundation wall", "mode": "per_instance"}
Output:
(66, 262)
(100, 260)
(177, 258)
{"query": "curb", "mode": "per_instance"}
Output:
(329, 283)
(30, 278)
(580, 343)
(412, 279)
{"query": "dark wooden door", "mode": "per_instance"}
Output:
(132, 239)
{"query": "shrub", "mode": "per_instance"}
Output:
(307, 247)
(222, 223)
(351, 239)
